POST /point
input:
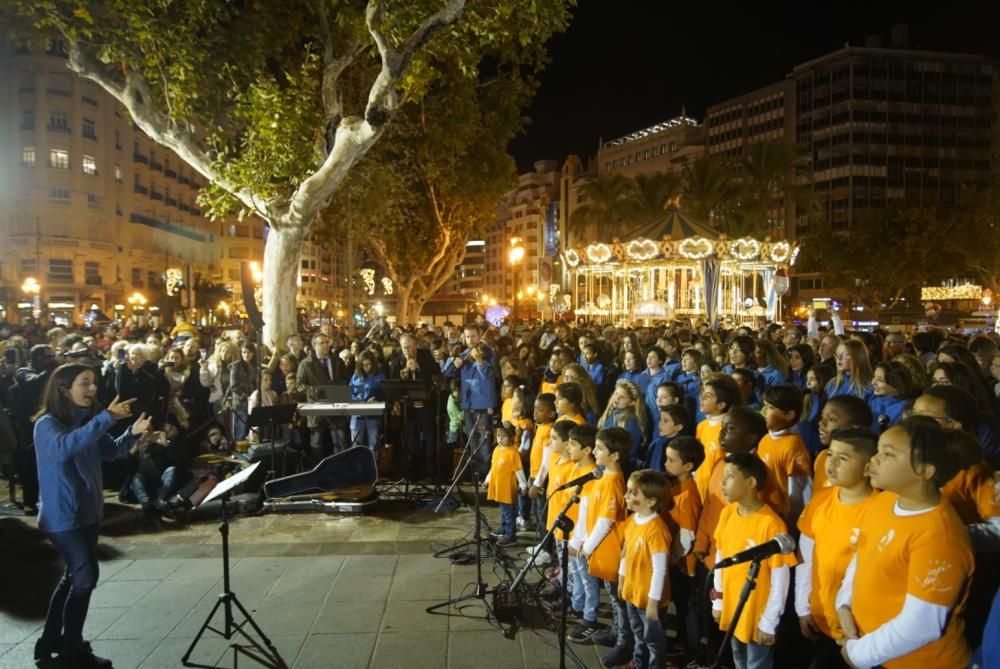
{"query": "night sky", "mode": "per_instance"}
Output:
(624, 65)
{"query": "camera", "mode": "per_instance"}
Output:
(168, 363)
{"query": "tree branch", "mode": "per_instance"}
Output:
(355, 136)
(135, 95)
(333, 68)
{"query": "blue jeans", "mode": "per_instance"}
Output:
(507, 516)
(71, 600)
(650, 649)
(540, 510)
(369, 427)
(585, 589)
(145, 488)
(619, 616)
(752, 655)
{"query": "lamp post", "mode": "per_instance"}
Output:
(138, 303)
(516, 256)
(32, 289)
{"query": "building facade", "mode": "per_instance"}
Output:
(95, 212)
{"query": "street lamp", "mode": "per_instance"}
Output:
(516, 256)
(33, 289)
(138, 303)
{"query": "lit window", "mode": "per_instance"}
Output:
(118, 173)
(89, 165)
(59, 159)
(28, 156)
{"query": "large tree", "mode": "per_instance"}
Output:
(771, 174)
(434, 181)
(274, 103)
(607, 206)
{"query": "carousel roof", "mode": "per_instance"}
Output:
(677, 224)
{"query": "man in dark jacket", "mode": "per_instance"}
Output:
(26, 396)
(323, 368)
(411, 363)
(141, 379)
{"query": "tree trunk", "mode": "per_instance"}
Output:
(281, 281)
(403, 292)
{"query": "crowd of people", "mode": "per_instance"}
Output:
(876, 450)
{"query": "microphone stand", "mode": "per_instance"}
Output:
(562, 522)
(748, 587)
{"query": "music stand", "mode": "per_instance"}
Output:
(272, 417)
(396, 390)
(266, 655)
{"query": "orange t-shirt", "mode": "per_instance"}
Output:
(820, 479)
(504, 465)
(640, 542)
(714, 502)
(547, 387)
(538, 443)
(972, 494)
(834, 527)
(683, 522)
(570, 471)
(579, 419)
(606, 499)
(784, 456)
(928, 556)
(736, 533)
(707, 433)
(560, 468)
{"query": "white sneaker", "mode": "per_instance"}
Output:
(522, 524)
(542, 557)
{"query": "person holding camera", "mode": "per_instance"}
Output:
(26, 395)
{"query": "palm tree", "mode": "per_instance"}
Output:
(653, 193)
(712, 190)
(771, 173)
(607, 203)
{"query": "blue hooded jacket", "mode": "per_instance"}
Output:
(69, 468)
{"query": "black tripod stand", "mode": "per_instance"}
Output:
(481, 592)
(748, 587)
(272, 417)
(266, 655)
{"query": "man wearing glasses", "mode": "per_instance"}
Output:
(894, 344)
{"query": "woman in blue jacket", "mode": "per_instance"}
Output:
(71, 439)
(366, 387)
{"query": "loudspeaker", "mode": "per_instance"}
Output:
(248, 285)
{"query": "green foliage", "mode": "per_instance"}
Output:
(609, 205)
(208, 294)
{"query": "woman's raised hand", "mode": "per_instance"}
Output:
(120, 410)
(141, 425)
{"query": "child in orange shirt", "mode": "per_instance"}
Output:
(829, 526)
(598, 534)
(718, 396)
(584, 589)
(504, 480)
(557, 469)
(545, 415)
(683, 456)
(783, 452)
(747, 521)
(838, 412)
(901, 602)
(642, 572)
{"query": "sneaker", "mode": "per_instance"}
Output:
(542, 558)
(45, 649)
(583, 632)
(522, 524)
(84, 658)
(605, 638)
(506, 541)
(616, 657)
(496, 534)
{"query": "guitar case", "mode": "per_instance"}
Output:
(341, 483)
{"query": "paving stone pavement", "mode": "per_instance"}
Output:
(330, 591)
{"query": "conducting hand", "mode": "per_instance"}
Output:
(120, 410)
(141, 425)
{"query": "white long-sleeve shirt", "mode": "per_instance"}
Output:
(803, 576)
(776, 596)
(658, 561)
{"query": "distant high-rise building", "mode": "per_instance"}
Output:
(664, 147)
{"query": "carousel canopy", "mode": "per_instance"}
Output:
(676, 224)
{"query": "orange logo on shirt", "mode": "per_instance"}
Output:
(886, 539)
(932, 580)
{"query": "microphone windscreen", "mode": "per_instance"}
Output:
(786, 542)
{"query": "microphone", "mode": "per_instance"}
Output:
(580, 480)
(783, 543)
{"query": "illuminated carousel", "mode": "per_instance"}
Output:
(678, 267)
